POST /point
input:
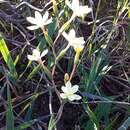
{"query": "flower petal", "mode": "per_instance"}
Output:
(38, 16)
(63, 96)
(45, 16)
(31, 58)
(68, 84)
(64, 89)
(75, 88)
(72, 34)
(71, 97)
(75, 5)
(66, 36)
(78, 41)
(34, 27)
(48, 21)
(44, 53)
(31, 20)
(36, 52)
(77, 97)
(85, 10)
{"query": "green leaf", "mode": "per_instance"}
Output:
(25, 125)
(9, 113)
(52, 123)
(110, 126)
(7, 57)
(34, 71)
(93, 118)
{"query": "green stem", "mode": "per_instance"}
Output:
(45, 69)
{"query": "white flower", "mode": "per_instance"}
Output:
(39, 21)
(36, 55)
(77, 9)
(1, 1)
(76, 42)
(69, 92)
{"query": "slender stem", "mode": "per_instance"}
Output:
(45, 69)
(63, 28)
(50, 102)
(73, 71)
(53, 82)
(59, 114)
(49, 40)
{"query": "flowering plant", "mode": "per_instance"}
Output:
(39, 21)
(78, 10)
(36, 56)
(69, 92)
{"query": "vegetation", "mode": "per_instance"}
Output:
(65, 65)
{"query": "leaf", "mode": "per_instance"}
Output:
(94, 97)
(52, 123)
(7, 57)
(93, 118)
(9, 113)
(110, 126)
(34, 71)
(25, 125)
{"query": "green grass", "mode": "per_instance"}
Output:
(32, 98)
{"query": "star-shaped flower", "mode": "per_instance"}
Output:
(39, 21)
(78, 10)
(36, 55)
(69, 92)
(76, 42)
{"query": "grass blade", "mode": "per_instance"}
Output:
(25, 125)
(7, 58)
(9, 114)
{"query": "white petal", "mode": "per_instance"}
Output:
(77, 97)
(71, 97)
(68, 87)
(63, 96)
(38, 16)
(44, 53)
(75, 88)
(72, 33)
(48, 21)
(45, 16)
(65, 36)
(68, 84)
(31, 57)
(75, 5)
(78, 42)
(36, 52)
(31, 20)
(64, 89)
(34, 27)
(85, 9)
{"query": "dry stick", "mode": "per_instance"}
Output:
(73, 71)
(76, 61)
(106, 102)
(59, 114)
(53, 82)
